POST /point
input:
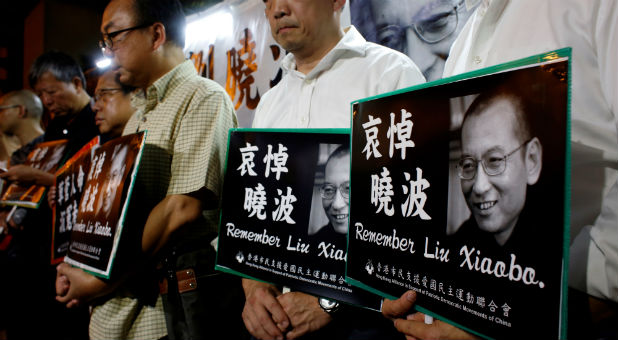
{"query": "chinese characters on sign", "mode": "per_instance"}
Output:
(271, 206)
(399, 135)
(481, 241)
(46, 156)
(93, 214)
(70, 181)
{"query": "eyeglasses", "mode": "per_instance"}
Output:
(328, 191)
(437, 25)
(494, 164)
(6, 107)
(102, 93)
(107, 43)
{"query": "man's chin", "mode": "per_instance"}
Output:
(341, 229)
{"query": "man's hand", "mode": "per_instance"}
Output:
(304, 312)
(27, 174)
(51, 196)
(413, 326)
(263, 315)
(75, 287)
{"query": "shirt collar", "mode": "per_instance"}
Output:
(352, 43)
(157, 92)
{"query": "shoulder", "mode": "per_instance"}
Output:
(394, 70)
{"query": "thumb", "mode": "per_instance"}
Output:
(400, 307)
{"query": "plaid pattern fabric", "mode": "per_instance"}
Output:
(187, 118)
(126, 318)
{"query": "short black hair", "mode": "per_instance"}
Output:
(522, 128)
(167, 12)
(340, 152)
(61, 65)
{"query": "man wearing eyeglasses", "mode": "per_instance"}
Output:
(20, 115)
(335, 193)
(112, 105)
(175, 207)
(500, 159)
(422, 29)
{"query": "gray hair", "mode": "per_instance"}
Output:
(61, 65)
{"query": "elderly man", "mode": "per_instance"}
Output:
(21, 117)
(327, 68)
(178, 183)
(60, 83)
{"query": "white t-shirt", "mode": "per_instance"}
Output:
(352, 70)
(501, 31)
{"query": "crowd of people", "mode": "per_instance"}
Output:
(169, 233)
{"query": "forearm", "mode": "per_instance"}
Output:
(173, 212)
(45, 178)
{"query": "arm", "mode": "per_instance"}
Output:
(263, 315)
(26, 174)
(169, 215)
(413, 325)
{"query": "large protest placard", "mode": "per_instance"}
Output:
(69, 184)
(285, 211)
(96, 228)
(459, 193)
(45, 156)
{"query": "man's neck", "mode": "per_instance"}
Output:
(84, 99)
(163, 62)
(28, 132)
(307, 60)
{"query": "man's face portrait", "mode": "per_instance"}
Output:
(298, 24)
(422, 29)
(58, 97)
(113, 107)
(129, 48)
(114, 180)
(335, 192)
(498, 164)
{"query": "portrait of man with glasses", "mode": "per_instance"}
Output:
(422, 29)
(501, 158)
(335, 195)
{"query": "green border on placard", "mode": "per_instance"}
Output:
(504, 67)
(227, 156)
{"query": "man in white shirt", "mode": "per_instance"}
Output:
(501, 31)
(326, 69)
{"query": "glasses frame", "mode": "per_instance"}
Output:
(484, 166)
(6, 107)
(338, 188)
(402, 30)
(98, 95)
(107, 43)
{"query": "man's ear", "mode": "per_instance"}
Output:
(159, 35)
(338, 5)
(533, 160)
(22, 111)
(77, 82)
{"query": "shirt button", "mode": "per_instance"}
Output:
(477, 60)
(303, 120)
(144, 119)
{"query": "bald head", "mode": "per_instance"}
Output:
(28, 100)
